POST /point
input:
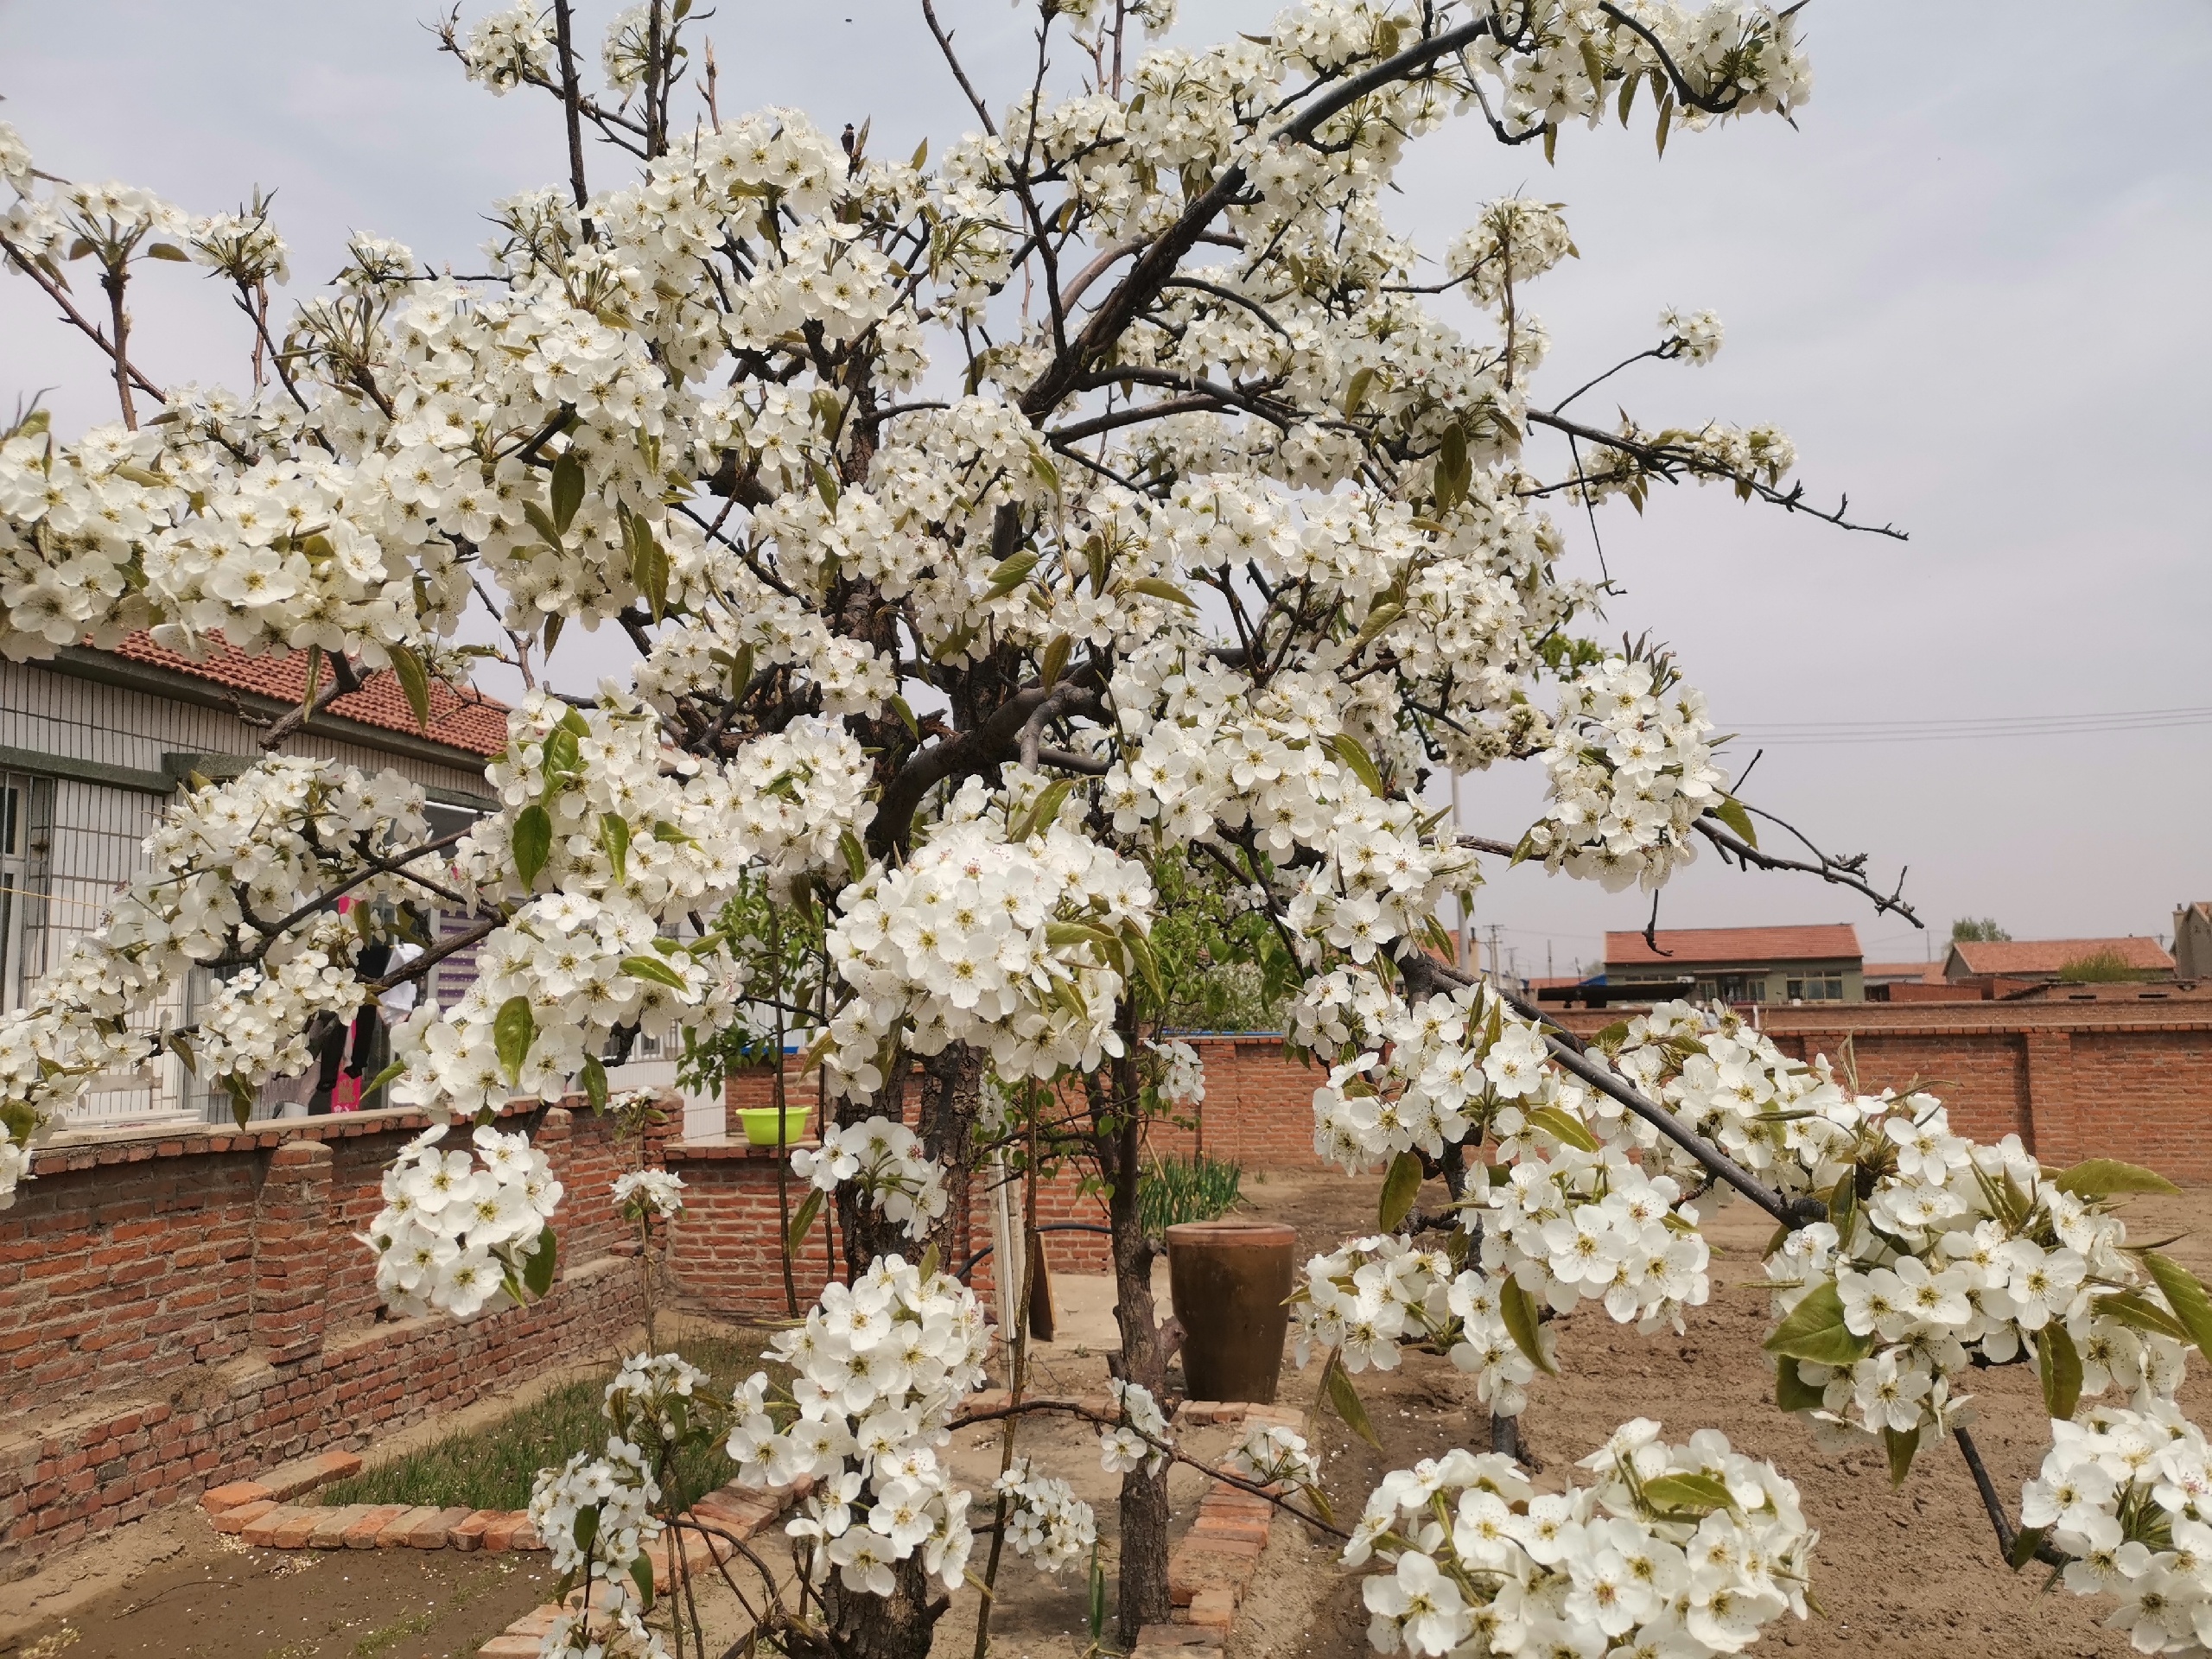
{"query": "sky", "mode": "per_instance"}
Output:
(1969, 285)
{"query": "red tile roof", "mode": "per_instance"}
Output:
(466, 720)
(1924, 973)
(2048, 955)
(1681, 946)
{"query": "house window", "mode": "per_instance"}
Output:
(26, 838)
(1817, 988)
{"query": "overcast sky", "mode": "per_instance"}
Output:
(1970, 286)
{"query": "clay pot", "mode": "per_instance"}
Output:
(1230, 1285)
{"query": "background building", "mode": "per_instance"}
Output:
(1811, 964)
(93, 743)
(2040, 962)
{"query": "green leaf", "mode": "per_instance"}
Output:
(586, 1528)
(1160, 587)
(513, 1032)
(242, 1098)
(1687, 1494)
(415, 681)
(856, 854)
(542, 522)
(1356, 394)
(615, 837)
(1524, 1323)
(1345, 1400)
(533, 843)
(594, 1079)
(901, 708)
(2185, 1295)
(167, 250)
(1791, 1391)
(538, 1266)
(566, 492)
(803, 1221)
(1400, 1188)
(1564, 1127)
(1043, 811)
(1357, 761)
(648, 567)
(1815, 1331)
(2025, 1542)
(641, 1574)
(2099, 1177)
(1453, 470)
(824, 486)
(653, 968)
(2058, 1363)
(1010, 573)
(1843, 1205)
(1055, 662)
(1377, 619)
(1141, 953)
(1901, 1444)
(2132, 1308)
(382, 1079)
(1730, 812)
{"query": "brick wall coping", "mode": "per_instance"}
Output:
(721, 1148)
(72, 1149)
(1937, 1020)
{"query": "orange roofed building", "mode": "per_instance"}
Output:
(2044, 961)
(1815, 963)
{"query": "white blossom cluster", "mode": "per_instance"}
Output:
(1630, 772)
(1939, 1252)
(1020, 946)
(1142, 1440)
(657, 1192)
(1370, 1298)
(878, 1370)
(2128, 1494)
(456, 1229)
(229, 863)
(1275, 1455)
(886, 1161)
(1182, 1072)
(1685, 1550)
(1044, 1520)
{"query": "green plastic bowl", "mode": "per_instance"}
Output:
(761, 1124)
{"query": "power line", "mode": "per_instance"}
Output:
(1974, 728)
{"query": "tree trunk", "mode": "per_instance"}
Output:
(899, 1626)
(1143, 1589)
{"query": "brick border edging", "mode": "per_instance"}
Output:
(1208, 1571)
(729, 1507)
(261, 1513)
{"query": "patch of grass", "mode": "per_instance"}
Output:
(1178, 1190)
(495, 1466)
(2106, 967)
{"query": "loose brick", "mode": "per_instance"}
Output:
(431, 1533)
(331, 1533)
(237, 1493)
(238, 1519)
(262, 1532)
(364, 1532)
(396, 1530)
(468, 1534)
(509, 1647)
(1213, 1610)
(500, 1534)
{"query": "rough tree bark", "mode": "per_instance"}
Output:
(1118, 1129)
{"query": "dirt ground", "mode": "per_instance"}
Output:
(1908, 1570)
(208, 1595)
(1913, 1570)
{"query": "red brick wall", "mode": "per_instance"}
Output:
(176, 1312)
(2128, 1080)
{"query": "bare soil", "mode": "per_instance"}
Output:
(1913, 1570)
(214, 1598)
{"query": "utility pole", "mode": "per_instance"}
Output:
(1493, 950)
